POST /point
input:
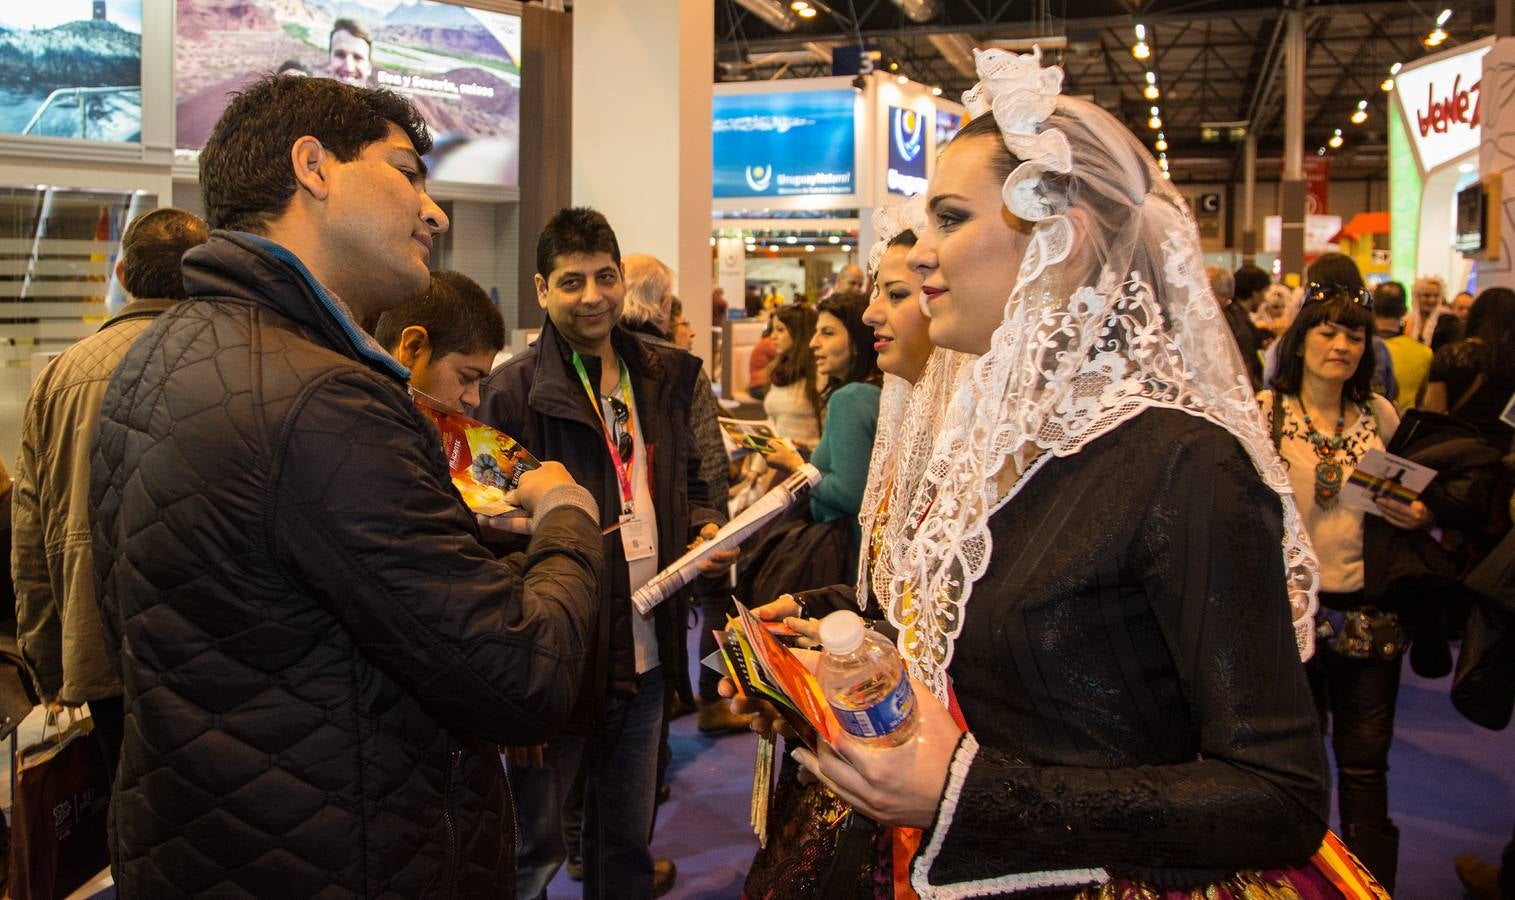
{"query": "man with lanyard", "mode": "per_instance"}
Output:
(615, 412)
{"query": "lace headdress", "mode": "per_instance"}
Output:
(1089, 339)
(908, 418)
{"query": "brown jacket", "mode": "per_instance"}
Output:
(57, 617)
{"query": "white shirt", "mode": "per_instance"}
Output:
(1335, 531)
(791, 413)
(643, 630)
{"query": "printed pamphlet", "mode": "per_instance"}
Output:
(1384, 475)
(486, 464)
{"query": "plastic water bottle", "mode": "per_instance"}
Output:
(864, 681)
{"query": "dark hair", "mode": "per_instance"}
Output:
(1335, 268)
(352, 27)
(984, 126)
(1492, 322)
(797, 364)
(292, 65)
(1390, 300)
(1341, 309)
(1249, 280)
(575, 229)
(905, 238)
(459, 317)
(152, 248)
(246, 177)
(848, 307)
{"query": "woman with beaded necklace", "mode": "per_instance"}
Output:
(1324, 418)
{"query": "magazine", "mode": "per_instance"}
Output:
(743, 436)
(765, 669)
(686, 568)
(486, 464)
(1381, 475)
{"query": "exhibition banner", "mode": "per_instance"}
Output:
(785, 144)
(947, 126)
(907, 152)
(72, 69)
(459, 66)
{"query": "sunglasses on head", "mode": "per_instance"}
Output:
(1320, 293)
(623, 441)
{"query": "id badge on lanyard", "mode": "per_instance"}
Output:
(636, 529)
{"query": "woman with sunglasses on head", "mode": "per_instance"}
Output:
(1101, 565)
(1324, 418)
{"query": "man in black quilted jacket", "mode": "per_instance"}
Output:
(318, 655)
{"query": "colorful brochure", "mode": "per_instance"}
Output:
(765, 669)
(743, 436)
(1384, 475)
(486, 464)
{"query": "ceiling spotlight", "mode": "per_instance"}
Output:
(1167, 177)
(1321, 152)
(799, 5)
(1151, 78)
(1387, 85)
(1394, 69)
(833, 240)
(894, 67)
(902, 79)
(806, 13)
(809, 248)
(1140, 50)
(936, 92)
(791, 239)
(1442, 19)
(846, 248)
(1151, 92)
(1155, 123)
(773, 248)
(1360, 115)
(1141, 32)
(1435, 38)
(1335, 142)
(1162, 144)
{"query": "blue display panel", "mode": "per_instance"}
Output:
(947, 126)
(459, 66)
(71, 69)
(785, 144)
(907, 152)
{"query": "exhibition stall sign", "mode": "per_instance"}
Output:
(459, 66)
(792, 143)
(72, 69)
(906, 173)
(948, 124)
(1441, 103)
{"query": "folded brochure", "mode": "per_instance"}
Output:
(1381, 475)
(748, 436)
(485, 463)
(765, 669)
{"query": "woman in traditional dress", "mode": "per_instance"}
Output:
(1102, 560)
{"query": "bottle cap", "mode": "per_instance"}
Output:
(841, 632)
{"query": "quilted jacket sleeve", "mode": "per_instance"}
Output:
(367, 521)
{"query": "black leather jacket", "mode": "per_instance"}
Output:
(318, 654)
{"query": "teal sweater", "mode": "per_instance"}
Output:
(842, 456)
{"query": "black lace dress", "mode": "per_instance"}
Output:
(1128, 668)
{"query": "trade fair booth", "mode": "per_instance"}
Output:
(799, 167)
(1434, 136)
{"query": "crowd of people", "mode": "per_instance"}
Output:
(1093, 492)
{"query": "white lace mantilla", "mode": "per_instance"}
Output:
(1066, 367)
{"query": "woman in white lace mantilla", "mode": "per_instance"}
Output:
(1103, 564)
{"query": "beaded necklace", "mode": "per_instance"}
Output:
(1328, 472)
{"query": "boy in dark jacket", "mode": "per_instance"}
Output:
(318, 654)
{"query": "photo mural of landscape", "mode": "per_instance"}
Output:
(459, 66)
(71, 69)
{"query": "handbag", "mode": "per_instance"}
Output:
(60, 805)
(798, 554)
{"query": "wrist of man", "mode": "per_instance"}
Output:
(571, 496)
